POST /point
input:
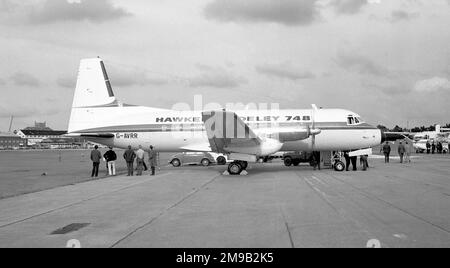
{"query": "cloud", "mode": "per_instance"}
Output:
(50, 11)
(2, 82)
(361, 64)
(124, 78)
(286, 12)
(22, 111)
(432, 85)
(216, 78)
(25, 79)
(119, 78)
(284, 70)
(400, 15)
(348, 6)
(66, 82)
(390, 89)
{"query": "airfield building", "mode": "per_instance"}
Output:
(11, 141)
(40, 132)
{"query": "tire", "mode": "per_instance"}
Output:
(221, 160)
(244, 165)
(176, 162)
(205, 162)
(339, 166)
(288, 161)
(235, 168)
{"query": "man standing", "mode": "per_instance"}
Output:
(111, 157)
(129, 157)
(152, 159)
(428, 147)
(386, 151)
(354, 160)
(140, 160)
(365, 162)
(408, 152)
(401, 151)
(347, 160)
(95, 158)
(316, 157)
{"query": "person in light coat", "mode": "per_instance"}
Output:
(140, 158)
(152, 159)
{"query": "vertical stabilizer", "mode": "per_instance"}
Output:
(93, 86)
(93, 90)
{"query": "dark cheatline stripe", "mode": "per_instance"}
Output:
(200, 127)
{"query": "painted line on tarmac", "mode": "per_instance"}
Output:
(152, 220)
(340, 211)
(82, 201)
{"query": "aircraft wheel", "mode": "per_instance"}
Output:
(176, 162)
(339, 166)
(205, 162)
(288, 161)
(234, 168)
(221, 160)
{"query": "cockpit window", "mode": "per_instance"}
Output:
(353, 120)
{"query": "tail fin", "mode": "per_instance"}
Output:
(93, 89)
(93, 86)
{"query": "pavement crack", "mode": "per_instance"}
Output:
(162, 213)
(291, 240)
(76, 203)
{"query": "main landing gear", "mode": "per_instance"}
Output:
(236, 167)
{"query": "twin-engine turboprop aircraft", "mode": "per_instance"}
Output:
(242, 135)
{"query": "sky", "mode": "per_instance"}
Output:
(389, 61)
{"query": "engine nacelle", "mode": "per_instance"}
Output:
(286, 135)
(267, 147)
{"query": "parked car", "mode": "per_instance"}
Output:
(220, 158)
(192, 158)
(295, 158)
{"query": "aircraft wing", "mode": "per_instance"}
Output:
(226, 129)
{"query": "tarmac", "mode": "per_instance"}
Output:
(399, 205)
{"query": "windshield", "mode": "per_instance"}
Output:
(354, 120)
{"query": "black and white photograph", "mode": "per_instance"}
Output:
(225, 130)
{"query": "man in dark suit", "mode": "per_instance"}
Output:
(96, 156)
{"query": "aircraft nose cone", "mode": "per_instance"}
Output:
(316, 131)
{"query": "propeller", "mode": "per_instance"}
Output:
(313, 131)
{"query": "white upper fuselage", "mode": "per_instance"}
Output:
(174, 131)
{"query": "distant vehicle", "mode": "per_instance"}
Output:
(295, 158)
(192, 158)
(220, 158)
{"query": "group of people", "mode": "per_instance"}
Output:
(404, 151)
(436, 147)
(130, 157)
(353, 160)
